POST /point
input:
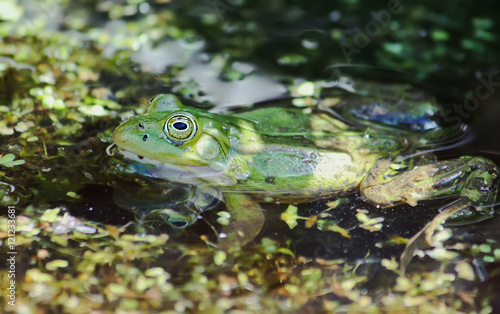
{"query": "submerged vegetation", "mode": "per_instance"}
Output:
(71, 71)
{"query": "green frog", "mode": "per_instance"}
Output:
(297, 155)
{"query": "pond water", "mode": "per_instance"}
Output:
(90, 237)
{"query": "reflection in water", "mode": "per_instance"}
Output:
(205, 73)
(146, 202)
(176, 204)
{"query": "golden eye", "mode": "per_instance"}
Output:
(180, 127)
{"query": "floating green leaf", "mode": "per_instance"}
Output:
(9, 162)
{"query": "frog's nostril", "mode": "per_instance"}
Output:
(145, 137)
(140, 126)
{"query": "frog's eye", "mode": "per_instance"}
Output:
(180, 127)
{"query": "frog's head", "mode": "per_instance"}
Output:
(183, 141)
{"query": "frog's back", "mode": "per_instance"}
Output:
(291, 121)
(397, 109)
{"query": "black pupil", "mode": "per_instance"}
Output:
(180, 126)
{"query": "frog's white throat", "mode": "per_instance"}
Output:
(197, 175)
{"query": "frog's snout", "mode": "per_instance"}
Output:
(123, 132)
(118, 134)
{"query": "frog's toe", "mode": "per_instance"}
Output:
(481, 186)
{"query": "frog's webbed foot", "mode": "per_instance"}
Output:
(481, 186)
(427, 232)
(247, 219)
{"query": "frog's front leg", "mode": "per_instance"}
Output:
(186, 212)
(247, 219)
(474, 178)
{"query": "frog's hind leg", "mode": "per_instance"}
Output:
(474, 178)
